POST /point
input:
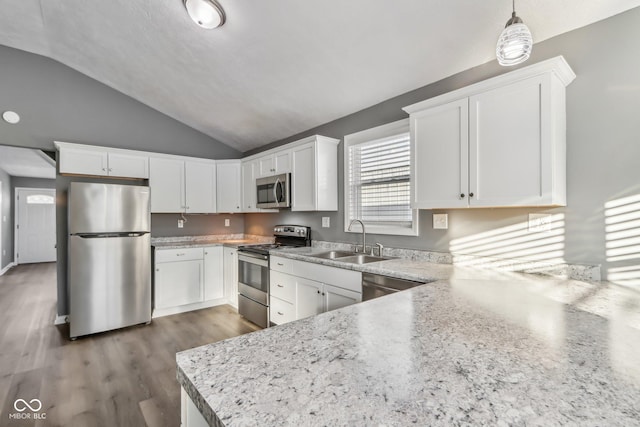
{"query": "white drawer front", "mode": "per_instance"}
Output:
(282, 286)
(342, 278)
(281, 311)
(184, 254)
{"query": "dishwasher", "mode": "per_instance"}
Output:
(375, 285)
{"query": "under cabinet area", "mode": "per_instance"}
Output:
(188, 279)
(498, 143)
(296, 292)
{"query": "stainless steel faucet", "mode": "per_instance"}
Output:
(364, 235)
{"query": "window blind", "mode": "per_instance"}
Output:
(379, 181)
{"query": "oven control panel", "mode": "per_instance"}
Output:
(292, 230)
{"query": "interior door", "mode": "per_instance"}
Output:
(36, 227)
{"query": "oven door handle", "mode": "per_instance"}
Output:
(261, 261)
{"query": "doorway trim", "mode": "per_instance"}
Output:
(16, 217)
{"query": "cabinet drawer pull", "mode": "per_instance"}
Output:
(180, 254)
(279, 263)
(280, 286)
(281, 313)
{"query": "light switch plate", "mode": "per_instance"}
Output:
(180, 223)
(227, 222)
(539, 222)
(326, 222)
(440, 221)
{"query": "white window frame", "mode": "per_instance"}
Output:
(379, 132)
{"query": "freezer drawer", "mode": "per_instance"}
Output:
(109, 283)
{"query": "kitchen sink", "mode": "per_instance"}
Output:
(333, 254)
(363, 259)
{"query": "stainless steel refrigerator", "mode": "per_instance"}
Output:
(109, 257)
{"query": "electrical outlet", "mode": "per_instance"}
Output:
(539, 223)
(440, 221)
(180, 223)
(227, 222)
(326, 222)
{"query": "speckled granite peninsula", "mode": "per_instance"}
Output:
(509, 350)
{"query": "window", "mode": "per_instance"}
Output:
(377, 180)
(39, 199)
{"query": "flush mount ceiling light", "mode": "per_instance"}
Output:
(206, 13)
(515, 42)
(11, 117)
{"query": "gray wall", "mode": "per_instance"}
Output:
(603, 145)
(196, 225)
(57, 103)
(6, 230)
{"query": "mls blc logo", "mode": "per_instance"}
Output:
(21, 406)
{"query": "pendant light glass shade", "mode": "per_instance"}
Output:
(515, 42)
(206, 13)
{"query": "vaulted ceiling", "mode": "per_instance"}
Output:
(277, 67)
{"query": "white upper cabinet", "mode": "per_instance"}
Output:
(101, 161)
(439, 156)
(274, 164)
(179, 185)
(200, 187)
(229, 188)
(498, 143)
(166, 180)
(314, 174)
(249, 186)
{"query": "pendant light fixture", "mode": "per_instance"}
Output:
(515, 42)
(207, 14)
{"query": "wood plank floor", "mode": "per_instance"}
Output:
(119, 378)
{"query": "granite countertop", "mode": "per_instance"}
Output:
(469, 350)
(402, 268)
(232, 240)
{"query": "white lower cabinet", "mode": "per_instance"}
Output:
(231, 275)
(295, 294)
(190, 416)
(187, 279)
(213, 273)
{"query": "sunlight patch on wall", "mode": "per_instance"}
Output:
(622, 227)
(514, 247)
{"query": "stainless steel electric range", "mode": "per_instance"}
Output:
(253, 271)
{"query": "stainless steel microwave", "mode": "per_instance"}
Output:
(274, 191)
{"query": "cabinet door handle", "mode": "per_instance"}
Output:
(323, 294)
(462, 195)
(470, 194)
(279, 263)
(318, 291)
(157, 269)
(280, 286)
(206, 253)
(110, 169)
(180, 254)
(281, 313)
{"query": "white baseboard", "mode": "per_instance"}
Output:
(167, 311)
(61, 320)
(7, 268)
